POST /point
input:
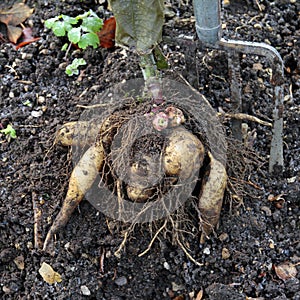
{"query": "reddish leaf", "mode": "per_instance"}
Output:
(107, 33)
(27, 38)
(16, 15)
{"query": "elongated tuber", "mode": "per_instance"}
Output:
(211, 196)
(81, 180)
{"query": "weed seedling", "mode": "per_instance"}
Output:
(10, 131)
(72, 69)
(81, 31)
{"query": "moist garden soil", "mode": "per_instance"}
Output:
(254, 235)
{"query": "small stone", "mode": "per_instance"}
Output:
(63, 65)
(120, 281)
(26, 56)
(6, 290)
(53, 46)
(257, 26)
(206, 251)
(192, 295)
(41, 99)
(292, 179)
(44, 108)
(45, 51)
(29, 245)
(166, 266)
(36, 113)
(177, 287)
(85, 290)
(67, 246)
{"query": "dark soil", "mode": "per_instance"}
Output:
(258, 235)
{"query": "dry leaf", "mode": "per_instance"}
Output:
(16, 15)
(225, 253)
(48, 274)
(19, 261)
(180, 297)
(199, 295)
(285, 270)
(13, 33)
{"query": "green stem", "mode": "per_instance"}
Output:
(151, 76)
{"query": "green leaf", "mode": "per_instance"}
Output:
(74, 35)
(92, 24)
(64, 47)
(27, 103)
(72, 69)
(89, 39)
(59, 28)
(79, 62)
(50, 22)
(139, 23)
(160, 59)
(9, 130)
(69, 20)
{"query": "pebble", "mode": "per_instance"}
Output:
(45, 51)
(26, 56)
(85, 290)
(206, 251)
(166, 266)
(41, 99)
(177, 287)
(6, 290)
(53, 46)
(36, 113)
(120, 281)
(257, 26)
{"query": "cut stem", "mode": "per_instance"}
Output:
(152, 77)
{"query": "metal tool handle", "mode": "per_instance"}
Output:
(208, 21)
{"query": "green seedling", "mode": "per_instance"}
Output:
(27, 103)
(9, 130)
(81, 30)
(72, 69)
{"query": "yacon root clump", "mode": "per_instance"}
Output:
(141, 157)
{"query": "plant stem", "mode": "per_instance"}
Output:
(152, 77)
